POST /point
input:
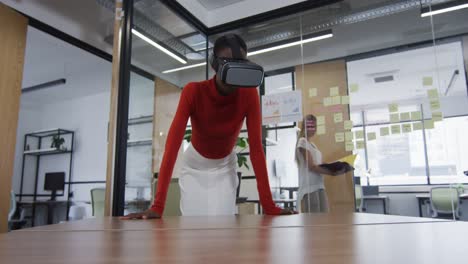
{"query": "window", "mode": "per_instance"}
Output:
(417, 155)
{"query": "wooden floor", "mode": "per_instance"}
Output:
(321, 238)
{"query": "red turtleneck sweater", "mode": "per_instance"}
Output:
(216, 123)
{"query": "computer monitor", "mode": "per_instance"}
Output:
(54, 181)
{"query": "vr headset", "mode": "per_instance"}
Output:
(237, 71)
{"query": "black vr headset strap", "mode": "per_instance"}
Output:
(235, 47)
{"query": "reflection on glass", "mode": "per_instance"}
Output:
(409, 87)
(162, 43)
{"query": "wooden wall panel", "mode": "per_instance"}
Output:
(13, 29)
(111, 132)
(322, 76)
(166, 99)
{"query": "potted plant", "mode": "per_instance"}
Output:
(57, 141)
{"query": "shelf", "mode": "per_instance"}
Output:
(140, 142)
(49, 132)
(50, 151)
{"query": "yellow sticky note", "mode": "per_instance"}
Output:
(360, 144)
(336, 100)
(406, 128)
(359, 134)
(393, 108)
(433, 94)
(344, 99)
(371, 136)
(338, 117)
(435, 105)
(339, 137)
(327, 101)
(405, 116)
(384, 131)
(396, 129)
(354, 87)
(417, 126)
(427, 81)
(348, 136)
(348, 124)
(349, 146)
(312, 92)
(321, 130)
(437, 116)
(416, 115)
(428, 124)
(394, 118)
(334, 91)
(320, 120)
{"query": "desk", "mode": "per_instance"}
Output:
(288, 203)
(290, 190)
(427, 243)
(382, 198)
(51, 205)
(425, 197)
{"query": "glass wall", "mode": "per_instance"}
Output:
(172, 53)
(385, 84)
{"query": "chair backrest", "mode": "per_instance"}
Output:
(172, 206)
(12, 211)
(97, 201)
(445, 200)
(358, 196)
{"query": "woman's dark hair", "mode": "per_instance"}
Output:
(223, 42)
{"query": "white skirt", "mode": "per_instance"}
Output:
(208, 186)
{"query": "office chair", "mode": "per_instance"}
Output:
(97, 201)
(358, 196)
(445, 202)
(19, 223)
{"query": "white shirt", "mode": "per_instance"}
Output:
(309, 181)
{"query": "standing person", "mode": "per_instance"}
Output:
(217, 110)
(311, 195)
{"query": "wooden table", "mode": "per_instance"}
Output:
(233, 222)
(425, 197)
(348, 238)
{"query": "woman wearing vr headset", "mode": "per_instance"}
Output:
(217, 109)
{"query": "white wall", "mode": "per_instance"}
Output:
(88, 118)
(408, 69)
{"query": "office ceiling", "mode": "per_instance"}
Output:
(215, 4)
(358, 26)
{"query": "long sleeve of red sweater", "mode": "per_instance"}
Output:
(257, 156)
